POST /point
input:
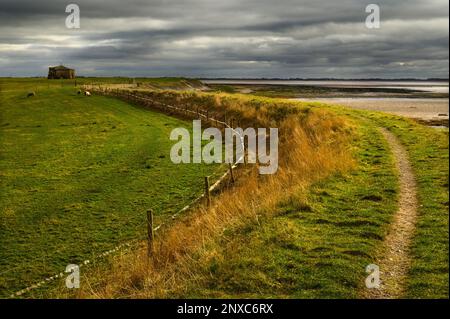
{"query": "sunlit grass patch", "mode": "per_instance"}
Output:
(77, 174)
(319, 241)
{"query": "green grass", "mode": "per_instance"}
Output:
(77, 174)
(318, 248)
(318, 244)
(30, 84)
(428, 152)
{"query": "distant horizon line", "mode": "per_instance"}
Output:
(252, 78)
(333, 79)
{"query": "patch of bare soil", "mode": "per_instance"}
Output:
(395, 262)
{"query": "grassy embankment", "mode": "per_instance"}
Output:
(77, 174)
(309, 231)
(317, 241)
(345, 215)
(315, 236)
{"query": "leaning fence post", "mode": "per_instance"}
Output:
(231, 172)
(207, 193)
(150, 234)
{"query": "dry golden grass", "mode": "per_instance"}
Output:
(313, 144)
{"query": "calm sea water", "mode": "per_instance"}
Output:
(426, 86)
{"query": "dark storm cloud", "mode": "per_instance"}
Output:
(253, 38)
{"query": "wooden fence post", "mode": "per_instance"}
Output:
(231, 172)
(207, 193)
(150, 234)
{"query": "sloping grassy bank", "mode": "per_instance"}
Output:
(306, 232)
(270, 233)
(247, 111)
(77, 174)
(311, 241)
(317, 241)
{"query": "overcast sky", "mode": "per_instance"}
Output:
(226, 38)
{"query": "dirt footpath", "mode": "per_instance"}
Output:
(395, 261)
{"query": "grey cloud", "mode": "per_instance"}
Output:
(253, 38)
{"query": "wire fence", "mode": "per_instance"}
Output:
(130, 96)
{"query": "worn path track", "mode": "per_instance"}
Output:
(395, 260)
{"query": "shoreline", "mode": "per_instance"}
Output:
(431, 111)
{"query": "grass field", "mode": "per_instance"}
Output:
(77, 174)
(316, 242)
(12, 84)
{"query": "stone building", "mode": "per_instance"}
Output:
(60, 72)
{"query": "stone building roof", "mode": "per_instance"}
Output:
(60, 67)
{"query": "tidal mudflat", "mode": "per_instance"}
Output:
(433, 110)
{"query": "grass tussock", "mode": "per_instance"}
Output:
(313, 144)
